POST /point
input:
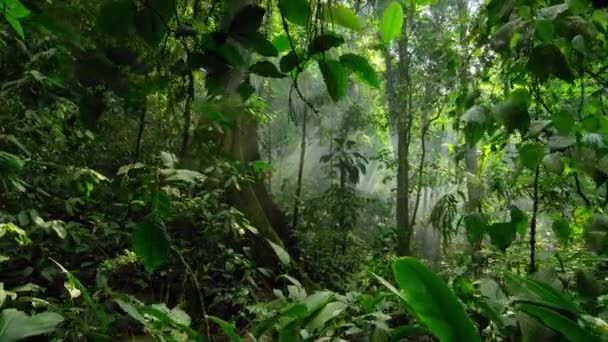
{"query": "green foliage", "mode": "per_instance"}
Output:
(432, 302)
(151, 242)
(392, 22)
(343, 16)
(296, 11)
(335, 78)
(14, 11)
(531, 155)
(361, 67)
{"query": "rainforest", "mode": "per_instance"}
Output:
(304, 170)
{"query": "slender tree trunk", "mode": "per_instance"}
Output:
(140, 132)
(532, 266)
(187, 117)
(296, 206)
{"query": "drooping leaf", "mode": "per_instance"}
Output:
(563, 122)
(548, 60)
(17, 325)
(335, 78)
(151, 242)
(502, 234)
(228, 328)
(245, 90)
(361, 67)
(520, 220)
(247, 20)
(537, 291)
(324, 42)
(531, 155)
(280, 252)
(296, 11)
(392, 22)
(343, 16)
(327, 313)
(432, 302)
(288, 62)
(258, 43)
(570, 329)
(266, 69)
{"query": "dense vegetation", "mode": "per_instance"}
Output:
(304, 170)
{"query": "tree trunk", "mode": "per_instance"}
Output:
(296, 206)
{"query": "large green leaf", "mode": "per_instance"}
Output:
(531, 155)
(335, 78)
(266, 69)
(392, 22)
(570, 329)
(361, 67)
(513, 112)
(280, 252)
(563, 122)
(540, 292)
(296, 11)
(548, 60)
(288, 62)
(281, 43)
(151, 242)
(16, 325)
(343, 16)
(502, 234)
(258, 43)
(433, 303)
(327, 313)
(247, 20)
(520, 220)
(325, 42)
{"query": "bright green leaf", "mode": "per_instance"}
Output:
(392, 22)
(335, 78)
(281, 43)
(280, 252)
(151, 242)
(361, 67)
(554, 320)
(433, 303)
(327, 313)
(296, 11)
(343, 16)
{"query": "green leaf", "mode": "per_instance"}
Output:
(280, 252)
(343, 16)
(151, 242)
(570, 329)
(432, 302)
(475, 226)
(392, 22)
(335, 78)
(229, 329)
(258, 43)
(531, 155)
(296, 11)
(288, 62)
(245, 89)
(559, 142)
(115, 17)
(15, 9)
(361, 67)
(578, 43)
(281, 43)
(513, 112)
(266, 69)
(247, 20)
(544, 29)
(563, 122)
(327, 313)
(601, 19)
(149, 26)
(324, 42)
(548, 60)
(520, 220)
(540, 292)
(16, 25)
(502, 235)
(16, 325)
(561, 229)
(554, 162)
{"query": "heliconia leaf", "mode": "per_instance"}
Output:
(343, 16)
(296, 11)
(361, 67)
(335, 78)
(392, 22)
(554, 320)
(327, 313)
(540, 292)
(151, 242)
(433, 303)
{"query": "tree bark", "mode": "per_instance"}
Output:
(296, 206)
